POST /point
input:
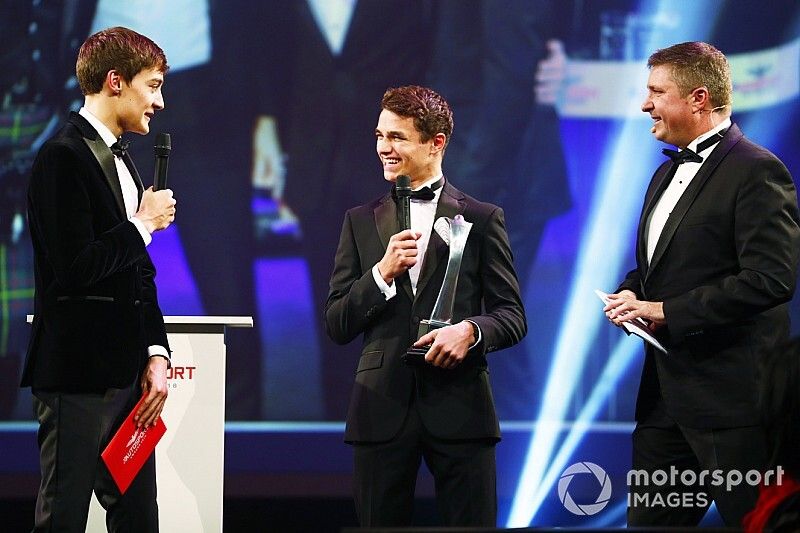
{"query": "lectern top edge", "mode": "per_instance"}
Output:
(228, 321)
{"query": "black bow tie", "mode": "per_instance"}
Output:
(425, 193)
(120, 148)
(688, 156)
(684, 156)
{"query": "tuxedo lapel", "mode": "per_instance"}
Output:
(104, 156)
(450, 204)
(386, 222)
(689, 196)
(656, 189)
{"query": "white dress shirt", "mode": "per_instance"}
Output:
(422, 214)
(680, 182)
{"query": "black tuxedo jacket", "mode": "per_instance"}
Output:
(453, 404)
(95, 307)
(725, 268)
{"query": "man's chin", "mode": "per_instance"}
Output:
(141, 130)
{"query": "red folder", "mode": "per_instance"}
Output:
(130, 447)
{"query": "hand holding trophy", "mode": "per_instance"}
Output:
(454, 232)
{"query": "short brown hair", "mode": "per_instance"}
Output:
(431, 112)
(697, 64)
(118, 49)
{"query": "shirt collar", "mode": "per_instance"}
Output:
(98, 125)
(719, 127)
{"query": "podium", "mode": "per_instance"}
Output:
(189, 458)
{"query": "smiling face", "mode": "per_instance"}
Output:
(674, 119)
(402, 151)
(139, 100)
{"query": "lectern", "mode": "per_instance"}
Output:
(189, 458)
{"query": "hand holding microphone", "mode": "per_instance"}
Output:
(401, 252)
(157, 208)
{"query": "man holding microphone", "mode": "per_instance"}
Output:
(98, 342)
(385, 281)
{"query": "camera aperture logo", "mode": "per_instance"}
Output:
(603, 497)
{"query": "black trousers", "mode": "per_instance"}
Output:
(385, 476)
(660, 443)
(73, 431)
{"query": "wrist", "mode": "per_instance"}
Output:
(160, 359)
(387, 279)
(471, 332)
(147, 223)
(660, 313)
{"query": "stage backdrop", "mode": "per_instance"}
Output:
(272, 107)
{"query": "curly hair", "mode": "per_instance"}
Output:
(431, 112)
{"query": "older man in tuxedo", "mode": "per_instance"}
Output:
(717, 252)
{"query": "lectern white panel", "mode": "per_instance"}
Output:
(189, 458)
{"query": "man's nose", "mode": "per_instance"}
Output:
(159, 103)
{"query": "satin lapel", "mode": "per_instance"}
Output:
(386, 222)
(654, 192)
(106, 159)
(689, 196)
(451, 203)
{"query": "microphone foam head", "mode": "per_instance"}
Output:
(163, 144)
(403, 183)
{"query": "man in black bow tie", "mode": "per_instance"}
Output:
(384, 282)
(717, 252)
(98, 342)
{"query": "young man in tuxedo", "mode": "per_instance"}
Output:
(717, 253)
(98, 342)
(385, 281)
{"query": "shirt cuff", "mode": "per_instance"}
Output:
(388, 290)
(146, 237)
(478, 334)
(159, 351)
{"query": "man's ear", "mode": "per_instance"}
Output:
(114, 81)
(439, 142)
(700, 99)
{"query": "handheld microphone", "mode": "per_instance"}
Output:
(403, 190)
(161, 149)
